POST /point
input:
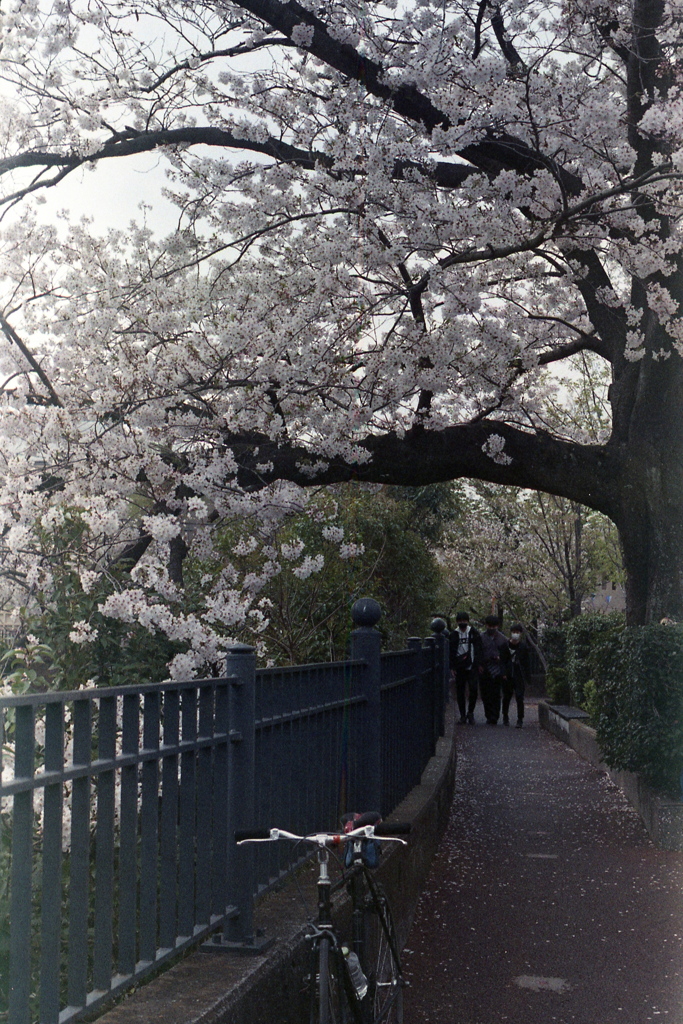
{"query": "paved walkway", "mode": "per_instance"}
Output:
(547, 902)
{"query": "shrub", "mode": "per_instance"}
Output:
(585, 634)
(557, 685)
(637, 707)
(553, 643)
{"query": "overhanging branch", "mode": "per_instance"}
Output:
(534, 460)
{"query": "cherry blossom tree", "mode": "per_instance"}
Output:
(527, 554)
(395, 223)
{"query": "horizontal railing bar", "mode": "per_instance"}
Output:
(397, 682)
(55, 696)
(315, 709)
(77, 771)
(326, 666)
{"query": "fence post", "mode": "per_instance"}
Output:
(366, 644)
(238, 933)
(414, 755)
(442, 673)
(429, 693)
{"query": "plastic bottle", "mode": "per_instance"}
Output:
(355, 972)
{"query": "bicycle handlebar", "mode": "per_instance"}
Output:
(245, 835)
(382, 832)
(398, 828)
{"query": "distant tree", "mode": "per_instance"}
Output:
(529, 554)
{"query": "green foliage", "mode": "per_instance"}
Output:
(585, 634)
(557, 685)
(630, 681)
(637, 704)
(309, 619)
(554, 646)
(590, 699)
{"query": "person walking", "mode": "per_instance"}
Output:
(519, 667)
(465, 659)
(496, 656)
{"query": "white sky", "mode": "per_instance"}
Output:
(111, 194)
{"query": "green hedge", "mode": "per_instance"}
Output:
(553, 642)
(586, 635)
(557, 686)
(637, 702)
(630, 680)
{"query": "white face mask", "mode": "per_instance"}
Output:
(515, 636)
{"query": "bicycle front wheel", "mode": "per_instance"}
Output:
(383, 966)
(329, 1004)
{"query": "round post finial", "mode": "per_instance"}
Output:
(438, 625)
(366, 612)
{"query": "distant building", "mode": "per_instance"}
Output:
(608, 597)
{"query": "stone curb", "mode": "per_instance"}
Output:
(219, 988)
(662, 817)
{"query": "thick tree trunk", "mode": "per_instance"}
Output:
(650, 524)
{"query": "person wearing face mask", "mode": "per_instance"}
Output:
(518, 674)
(465, 663)
(496, 655)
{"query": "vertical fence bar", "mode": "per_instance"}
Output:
(186, 816)
(366, 645)
(440, 683)
(204, 839)
(149, 829)
(21, 873)
(219, 852)
(104, 849)
(168, 897)
(128, 839)
(52, 867)
(413, 760)
(429, 698)
(79, 875)
(241, 664)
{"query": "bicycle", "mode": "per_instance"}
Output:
(360, 982)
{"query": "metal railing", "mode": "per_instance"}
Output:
(118, 806)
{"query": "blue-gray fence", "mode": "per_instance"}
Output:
(116, 849)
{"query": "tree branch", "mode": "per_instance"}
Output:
(14, 338)
(536, 460)
(444, 174)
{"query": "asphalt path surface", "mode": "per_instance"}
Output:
(547, 902)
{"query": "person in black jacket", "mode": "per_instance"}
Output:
(465, 662)
(518, 674)
(494, 675)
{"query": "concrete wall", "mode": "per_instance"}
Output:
(219, 988)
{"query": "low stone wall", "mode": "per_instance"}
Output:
(663, 818)
(226, 988)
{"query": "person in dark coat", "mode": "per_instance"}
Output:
(496, 656)
(518, 674)
(465, 662)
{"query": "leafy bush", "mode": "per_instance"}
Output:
(553, 642)
(584, 634)
(590, 702)
(637, 707)
(557, 685)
